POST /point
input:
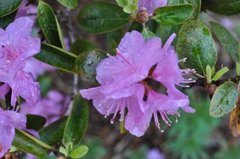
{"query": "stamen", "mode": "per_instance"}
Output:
(185, 86)
(182, 60)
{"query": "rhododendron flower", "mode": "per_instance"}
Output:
(28, 10)
(51, 107)
(16, 46)
(9, 120)
(155, 154)
(151, 5)
(124, 85)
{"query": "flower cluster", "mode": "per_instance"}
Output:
(16, 47)
(125, 88)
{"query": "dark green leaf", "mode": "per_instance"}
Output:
(100, 17)
(35, 122)
(77, 124)
(197, 45)
(229, 43)
(164, 32)
(147, 34)
(8, 6)
(53, 133)
(225, 7)
(81, 45)
(49, 25)
(79, 152)
(195, 3)
(173, 15)
(69, 3)
(4, 21)
(113, 39)
(86, 64)
(57, 57)
(224, 99)
(29, 144)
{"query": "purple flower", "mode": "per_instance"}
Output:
(51, 107)
(9, 120)
(123, 80)
(16, 46)
(155, 154)
(151, 5)
(36, 67)
(28, 10)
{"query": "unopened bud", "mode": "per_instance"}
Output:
(142, 16)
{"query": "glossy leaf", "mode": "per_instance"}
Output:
(81, 45)
(35, 122)
(29, 144)
(164, 32)
(8, 6)
(224, 99)
(229, 43)
(79, 152)
(197, 45)
(69, 3)
(173, 15)
(53, 133)
(195, 3)
(86, 64)
(77, 124)
(57, 57)
(49, 25)
(4, 21)
(100, 17)
(225, 7)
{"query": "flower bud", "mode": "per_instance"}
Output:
(142, 16)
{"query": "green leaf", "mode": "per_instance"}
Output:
(49, 25)
(229, 43)
(87, 62)
(77, 124)
(195, 3)
(129, 6)
(209, 74)
(197, 45)
(4, 21)
(220, 73)
(100, 17)
(80, 46)
(225, 7)
(57, 57)
(35, 122)
(69, 3)
(147, 34)
(224, 99)
(30, 144)
(8, 6)
(113, 39)
(173, 15)
(79, 152)
(53, 133)
(164, 32)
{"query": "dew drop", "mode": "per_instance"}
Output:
(111, 121)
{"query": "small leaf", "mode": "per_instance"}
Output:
(79, 152)
(80, 46)
(209, 74)
(35, 122)
(69, 3)
(57, 57)
(77, 123)
(225, 7)
(86, 64)
(101, 17)
(29, 144)
(129, 6)
(147, 34)
(49, 25)
(8, 6)
(53, 133)
(224, 99)
(197, 45)
(220, 73)
(173, 15)
(229, 43)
